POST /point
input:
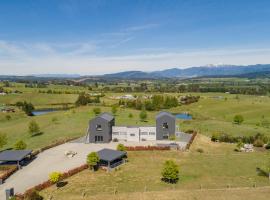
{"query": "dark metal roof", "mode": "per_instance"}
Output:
(14, 155)
(163, 113)
(110, 155)
(106, 116)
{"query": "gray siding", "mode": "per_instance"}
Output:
(161, 131)
(106, 131)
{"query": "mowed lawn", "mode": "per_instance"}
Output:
(218, 167)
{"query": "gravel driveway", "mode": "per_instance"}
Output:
(48, 161)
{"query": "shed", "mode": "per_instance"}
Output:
(14, 156)
(111, 158)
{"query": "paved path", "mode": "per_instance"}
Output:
(48, 161)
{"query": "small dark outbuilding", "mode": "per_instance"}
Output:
(14, 156)
(111, 158)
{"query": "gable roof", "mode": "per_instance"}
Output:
(14, 155)
(163, 113)
(110, 155)
(108, 117)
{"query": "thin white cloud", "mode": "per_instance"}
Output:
(81, 58)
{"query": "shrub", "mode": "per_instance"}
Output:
(214, 138)
(20, 145)
(238, 119)
(114, 110)
(8, 117)
(115, 140)
(92, 160)
(170, 172)
(55, 177)
(97, 111)
(33, 128)
(172, 137)
(130, 115)
(3, 139)
(33, 195)
(121, 147)
(143, 115)
(200, 150)
(258, 143)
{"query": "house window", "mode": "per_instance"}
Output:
(165, 125)
(144, 133)
(152, 133)
(132, 134)
(115, 133)
(98, 138)
(98, 127)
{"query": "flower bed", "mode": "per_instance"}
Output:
(8, 171)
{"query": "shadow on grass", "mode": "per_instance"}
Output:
(37, 134)
(262, 172)
(61, 184)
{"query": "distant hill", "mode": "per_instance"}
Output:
(224, 70)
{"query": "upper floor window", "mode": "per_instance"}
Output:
(165, 125)
(98, 127)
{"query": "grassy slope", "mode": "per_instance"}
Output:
(214, 169)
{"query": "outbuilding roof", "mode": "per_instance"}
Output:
(110, 155)
(106, 116)
(163, 113)
(14, 155)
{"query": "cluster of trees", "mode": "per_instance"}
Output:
(50, 91)
(19, 145)
(157, 102)
(28, 108)
(189, 99)
(35, 85)
(85, 99)
(257, 140)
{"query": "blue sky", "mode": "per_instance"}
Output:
(96, 37)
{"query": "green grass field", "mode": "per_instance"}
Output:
(212, 114)
(218, 167)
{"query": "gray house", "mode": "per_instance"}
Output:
(165, 125)
(100, 129)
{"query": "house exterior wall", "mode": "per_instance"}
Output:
(105, 132)
(136, 134)
(161, 131)
(148, 133)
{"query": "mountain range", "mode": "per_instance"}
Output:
(202, 71)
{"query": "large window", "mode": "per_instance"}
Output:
(144, 133)
(132, 134)
(98, 127)
(115, 133)
(152, 133)
(165, 125)
(98, 138)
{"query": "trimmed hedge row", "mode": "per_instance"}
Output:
(10, 170)
(48, 183)
(145, 148)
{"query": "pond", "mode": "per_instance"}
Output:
(42, 112)
(184, 116)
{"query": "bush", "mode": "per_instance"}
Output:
(214, 138)
(172, 137)
(170, 172)
(3, 139)
(238, 119)
(92, 160)
(20, 145)
(200, 150)
(143, 115)
(33, 128)
(33, 195)
(258, 143)
(97, 111)
(55, 177)
(121, 147)
(115, 140)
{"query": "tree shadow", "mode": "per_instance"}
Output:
(37, 134)
(261, 172)
(61, 184)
